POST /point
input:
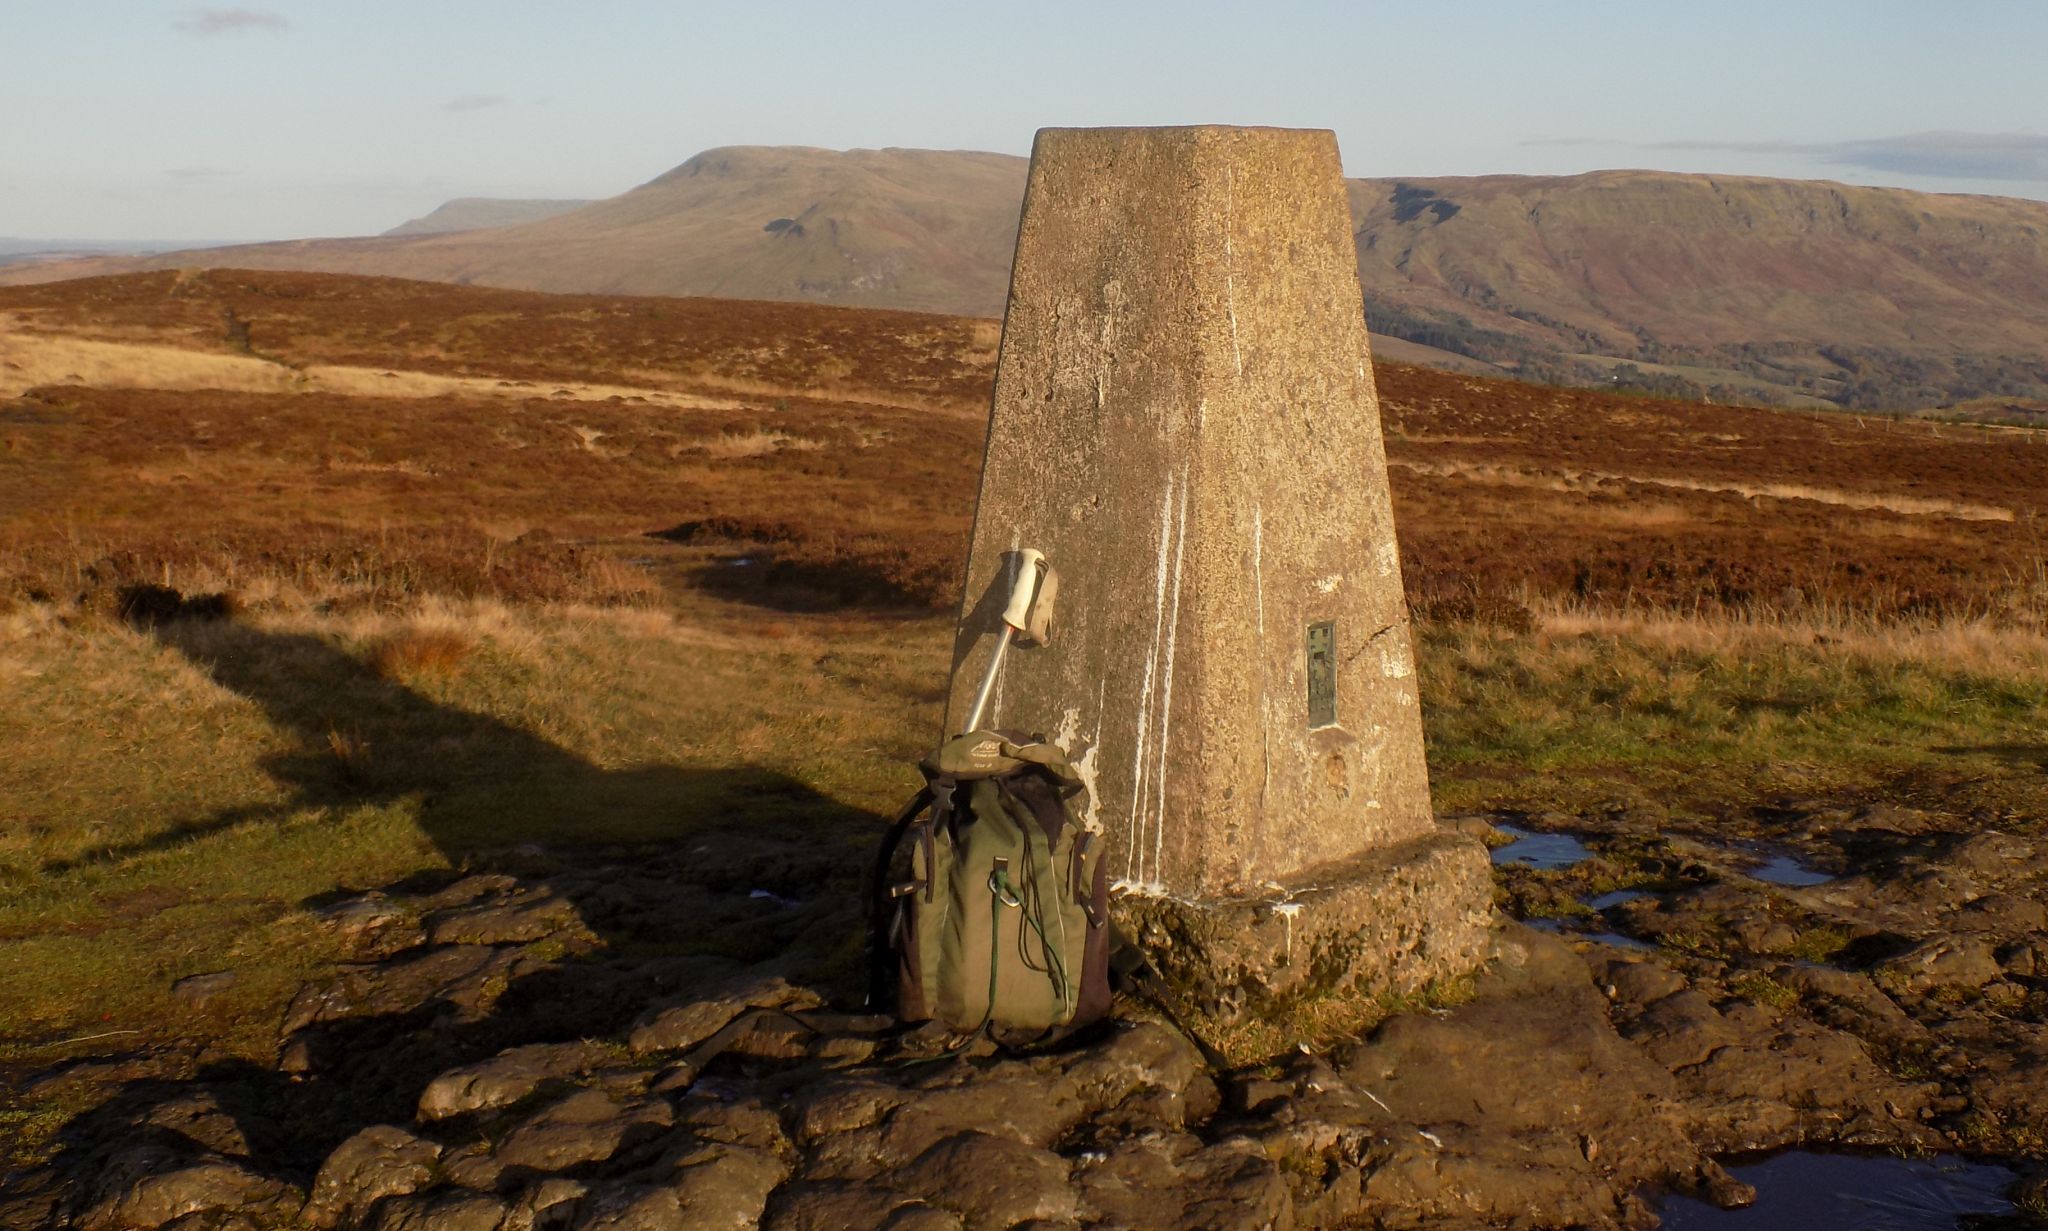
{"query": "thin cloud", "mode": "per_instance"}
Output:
(473, 102)
(199, 173)
(2017, 157)
(205, 23)
(1952, 155)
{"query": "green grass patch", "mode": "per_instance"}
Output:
(1578, 722)
(1764, 990)
(1819, 944)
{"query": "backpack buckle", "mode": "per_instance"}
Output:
(999, 884)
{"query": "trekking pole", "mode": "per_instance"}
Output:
(1029, 614)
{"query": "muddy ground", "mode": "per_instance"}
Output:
(670, 1042)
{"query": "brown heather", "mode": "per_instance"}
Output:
(835, 452)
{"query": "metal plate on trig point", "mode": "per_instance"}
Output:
(1322, 674)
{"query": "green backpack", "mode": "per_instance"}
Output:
(999, 915)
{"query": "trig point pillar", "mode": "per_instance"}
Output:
(1185, 423)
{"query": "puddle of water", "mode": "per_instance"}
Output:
(1800, 1190)
(1543, 851)
(1613, 940)
(1785, 870)
(1608, 901)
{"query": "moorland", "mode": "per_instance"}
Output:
(403, 672)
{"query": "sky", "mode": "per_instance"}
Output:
(135, 120)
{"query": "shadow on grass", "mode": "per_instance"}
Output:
(658, 879)
(2035, 755)
(170, 837)
(775, 567)
(481, 783)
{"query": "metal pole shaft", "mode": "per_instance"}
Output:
(988, 680)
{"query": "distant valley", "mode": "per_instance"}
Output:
(1719, 287)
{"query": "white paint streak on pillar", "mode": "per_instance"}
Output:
(1372, 764)
(1394, 661)
(1085, 766)
(1069, 737)
(1166, 700)
(1069, 729)
(1132, 866)
(1287, 911)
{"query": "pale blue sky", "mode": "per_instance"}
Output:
(131, 119)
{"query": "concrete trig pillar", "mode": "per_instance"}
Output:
(1185, 423)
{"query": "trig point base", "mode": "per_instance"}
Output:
(1185, 423)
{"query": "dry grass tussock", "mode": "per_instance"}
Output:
(419, 652)
(758, 443)
(405, 383)
(29, 359)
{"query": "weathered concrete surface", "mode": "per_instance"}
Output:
(1388, 922)
(1185, 422)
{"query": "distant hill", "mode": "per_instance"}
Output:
(483, 213)
(1733, 288)
(1860, 296)
(918, 229)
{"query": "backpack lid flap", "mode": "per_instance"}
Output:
(990, 754)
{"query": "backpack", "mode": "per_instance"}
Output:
(1002, 920)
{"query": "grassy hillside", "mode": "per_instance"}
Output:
(1863, 296)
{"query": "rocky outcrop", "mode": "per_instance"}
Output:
(504, 1081)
